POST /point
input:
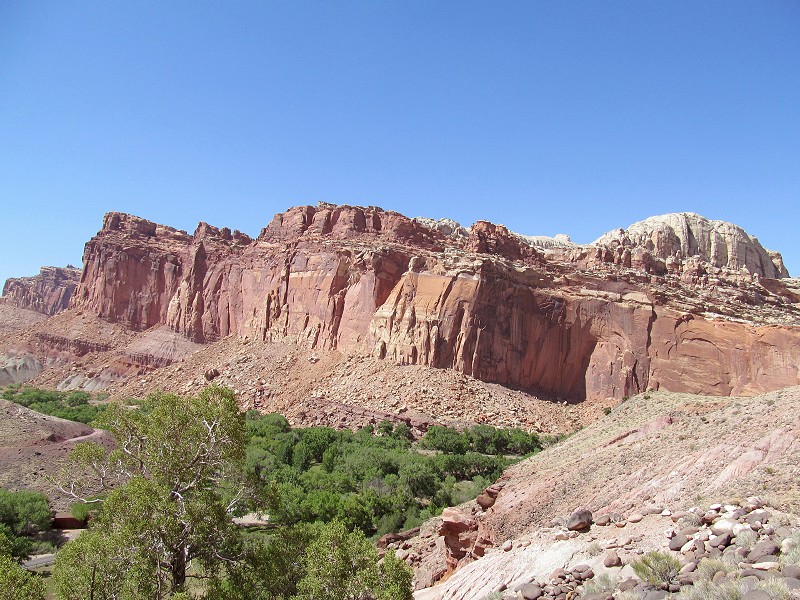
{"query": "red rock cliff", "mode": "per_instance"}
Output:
(48, 292)
(575, 323)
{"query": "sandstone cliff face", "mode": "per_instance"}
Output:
(48, 292)
(570, 322)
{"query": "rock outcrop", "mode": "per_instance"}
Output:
(48, 292)
(683, 235)
(565, 321)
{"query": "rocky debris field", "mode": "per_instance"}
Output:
(312, 387)
(654, 456)
(740, 549)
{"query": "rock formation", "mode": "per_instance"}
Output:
(683, 235)
(48, 292)
(670, 309)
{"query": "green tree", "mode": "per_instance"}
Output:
(385, 427)
(15, 582)
(25, 512)
(341, 565)
(445, 439)
(181, 459)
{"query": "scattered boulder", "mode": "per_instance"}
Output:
(580, 520)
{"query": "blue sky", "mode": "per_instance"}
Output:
(549, 117)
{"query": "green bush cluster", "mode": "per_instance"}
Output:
(657, 568)
(375, 483)
(483, 439)
(73, 406)
(23, 515)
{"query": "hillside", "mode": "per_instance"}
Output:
(655, 451)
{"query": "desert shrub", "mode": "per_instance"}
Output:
(691, 519)
(523, 442)
(17, 583)
(792, 555)
(706, 590)
(746, 538)
(24, 512)
(776, 589)
(603, 583)
(374, 483)
(594, 549)
(445, 439)
(657, 568)
(343, 564)
(708, 567)
(385, 427)
(73, 406)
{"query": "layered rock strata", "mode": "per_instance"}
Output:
(48, 292)
(566, 321)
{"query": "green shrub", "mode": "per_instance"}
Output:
(792, 555)
(746, 538)
(24, 512)
(17, 583)
(73, 406)
(657, 568)
(445, 439)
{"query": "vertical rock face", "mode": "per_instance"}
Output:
(557, 319)
(48, 292)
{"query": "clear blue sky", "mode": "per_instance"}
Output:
(547, 116)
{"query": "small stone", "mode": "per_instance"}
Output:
(530, 591)
(602, 520)
(635, 518)
(763, 550)
(720, 541)
(612, 559)
(792, 571)
(507, 545)
(677, 542)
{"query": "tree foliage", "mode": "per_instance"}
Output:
(178, 471)
(23, 514)
(483, 439)
(15, 582)
(343, 565)
(179, 458)
(375, 483)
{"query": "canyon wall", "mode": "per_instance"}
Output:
(485, 303)
(48, 292)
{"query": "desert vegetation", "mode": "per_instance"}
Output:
(166, 496)
(376, 483)
(73, 406)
